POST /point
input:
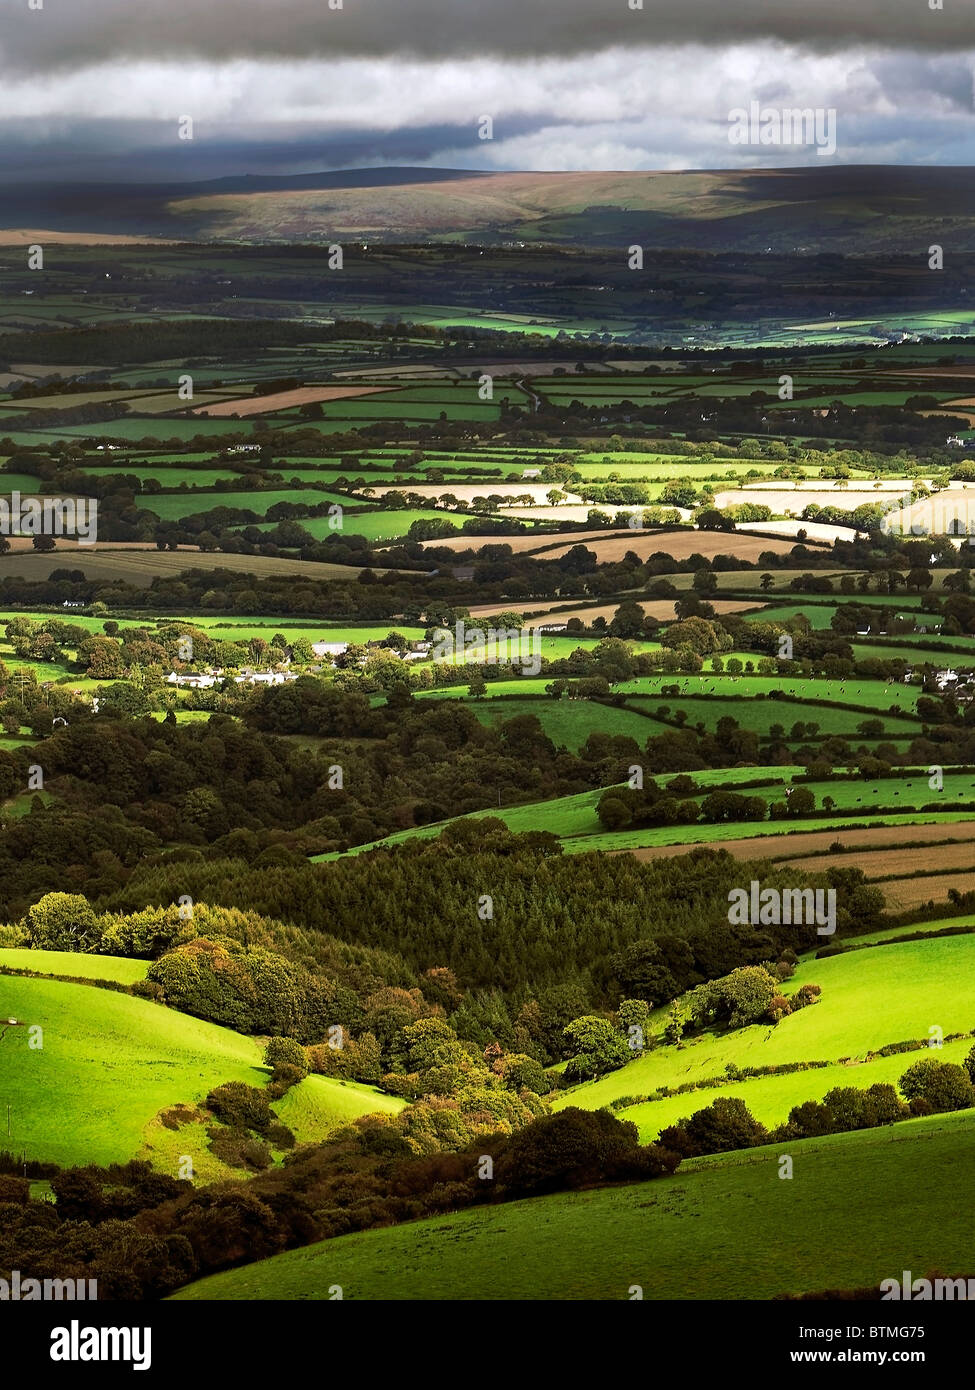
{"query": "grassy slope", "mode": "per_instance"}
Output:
(75, 963)
(870, 998)
(760, 715)
(709, 1231)
(574, 818)
(569, 723)
(110, 1062)
(317, 1104)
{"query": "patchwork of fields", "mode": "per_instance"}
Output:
(312, 913)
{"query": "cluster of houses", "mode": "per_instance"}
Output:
(962, 687)
(944, 680)
(324, 651)
(206, 680)
(950, 680)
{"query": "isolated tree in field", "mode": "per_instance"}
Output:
(919, 578)
(691, 605)
(711, 519)
(633, 1013)
(509, 619)
(678, 493)
(801, 801)
(705, 581)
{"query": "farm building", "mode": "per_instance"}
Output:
(191, 680)
(249, 677)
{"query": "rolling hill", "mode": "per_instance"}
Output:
(110, 1063)
(872, 997)
(715, 1228)
(839, 209)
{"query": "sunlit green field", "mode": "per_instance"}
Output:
(714, 1230)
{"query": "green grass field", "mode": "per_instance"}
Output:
(859, 1208)
(110, 1062)
(319, 1103)
(77, 964)
(574, 818)
(375, 525)
(876, 696)
(762, 715)
(770, 1098)
(870, 998)
(568, 723)
(172, 506)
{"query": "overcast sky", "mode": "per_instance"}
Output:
(95, 89)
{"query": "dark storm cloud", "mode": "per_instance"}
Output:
(136, 151)
(76, 33)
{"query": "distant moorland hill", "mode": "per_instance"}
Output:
(845, 209)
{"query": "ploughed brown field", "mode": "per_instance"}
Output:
(519, 544)
(679, 544)
(906, 893)
(883, 863)
(285, 400)
(792, 848)
(535, 613)
(496, 369)
(929, 371)
(488, 610)
(17, 236)
(662, 608)
(137, 565)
